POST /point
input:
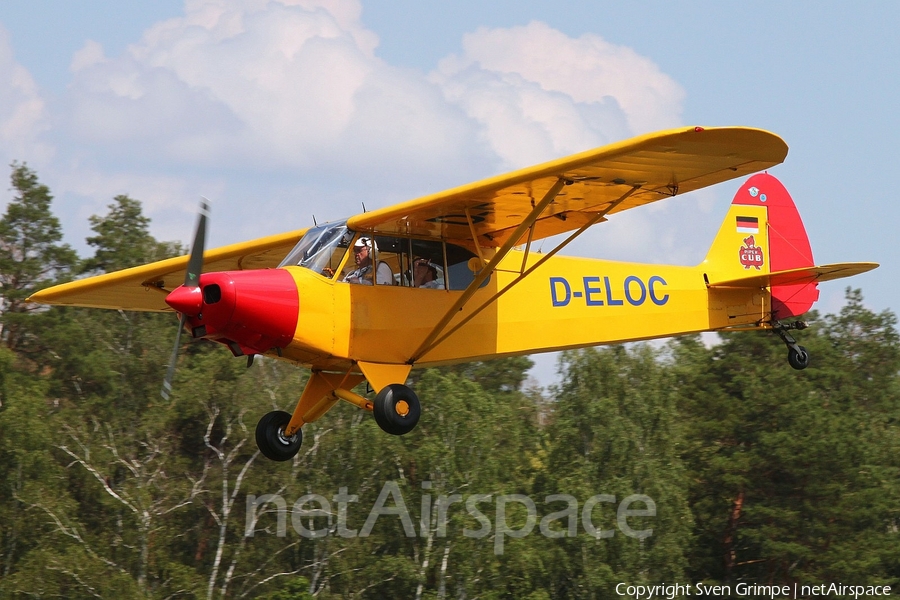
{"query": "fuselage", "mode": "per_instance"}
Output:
(565, 303)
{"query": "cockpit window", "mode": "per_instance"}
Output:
(400, 261)
(321, 249)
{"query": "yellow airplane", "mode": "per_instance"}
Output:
(454, 276)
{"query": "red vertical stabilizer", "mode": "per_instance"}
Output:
(788, 244)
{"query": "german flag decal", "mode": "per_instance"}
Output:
(747, 224)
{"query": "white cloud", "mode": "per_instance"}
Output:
(22, 111)
(587, 69)
(296, 84)
(540, 94)
(261, 86)
(90, 54)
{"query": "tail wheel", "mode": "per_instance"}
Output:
(798, 357)
(271, 439)
(397, 409)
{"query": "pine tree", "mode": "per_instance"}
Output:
(31, 253)
(123, 238)
(795, 473)
(615, 432)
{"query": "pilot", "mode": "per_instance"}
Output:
(425, 275)
(363, 272)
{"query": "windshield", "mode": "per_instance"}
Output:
(322, 249)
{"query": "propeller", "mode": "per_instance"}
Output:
(182, 297)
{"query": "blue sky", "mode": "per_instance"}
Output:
(281, 110)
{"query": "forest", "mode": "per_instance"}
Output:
(674, 463)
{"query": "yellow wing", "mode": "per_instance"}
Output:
(663, 164)
(145, 287)
(660, 165)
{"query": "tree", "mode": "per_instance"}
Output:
(497, 375)
(795, 473)
(113, 354)
(615, 432)
(123, 238)
(31, 253)
(27, 468)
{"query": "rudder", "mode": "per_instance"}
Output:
(764, 233)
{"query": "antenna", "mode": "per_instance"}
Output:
(315, 224)
(364, 206)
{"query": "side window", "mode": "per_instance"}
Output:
(427, 268)
(391, 260)
(458, 271)
(400, 261)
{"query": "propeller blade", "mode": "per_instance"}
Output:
(191, 280)
(166, 391)
(195, 262)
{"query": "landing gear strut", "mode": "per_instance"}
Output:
(798, 357)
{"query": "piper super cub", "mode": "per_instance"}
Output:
(453, 276)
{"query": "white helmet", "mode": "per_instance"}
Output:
(366, 241)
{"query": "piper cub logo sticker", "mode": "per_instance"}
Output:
(750, 254)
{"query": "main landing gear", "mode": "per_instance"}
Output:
(798, 357)
(396, 410)
(272, 441)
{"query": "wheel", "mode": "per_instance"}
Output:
(397, 409)
(270, 438)
(798, 358)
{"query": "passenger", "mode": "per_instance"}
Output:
(425, 275)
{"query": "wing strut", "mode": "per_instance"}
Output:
(475, 237)
(525, 273)
(488, 268)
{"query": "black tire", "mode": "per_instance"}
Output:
(270, 440)
(397, 409)
(799, 358)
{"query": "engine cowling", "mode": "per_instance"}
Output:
(251, 312)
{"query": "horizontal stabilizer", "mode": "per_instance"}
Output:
(797, 276)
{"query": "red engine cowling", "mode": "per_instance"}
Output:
(251, 312)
